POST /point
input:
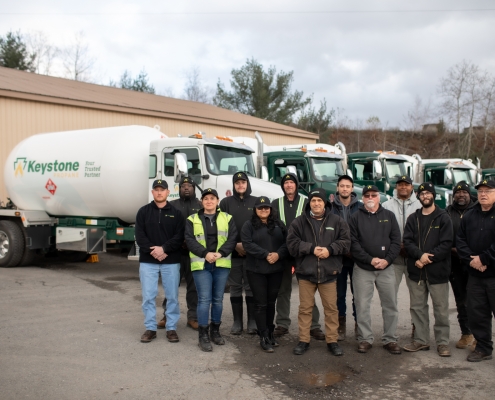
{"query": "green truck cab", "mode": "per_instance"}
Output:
(489, 173)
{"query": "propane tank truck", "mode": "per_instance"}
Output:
(79, 191)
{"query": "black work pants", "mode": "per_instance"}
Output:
(481, 306)
(458, 280)
(265, 289)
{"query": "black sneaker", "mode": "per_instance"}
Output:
(300, 348)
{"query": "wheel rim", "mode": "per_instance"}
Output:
(4, 244)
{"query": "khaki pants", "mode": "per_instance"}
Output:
(328, 295)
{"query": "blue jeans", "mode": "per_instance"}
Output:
(148, 274)
(210, 284)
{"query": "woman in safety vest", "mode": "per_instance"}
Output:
(210, 237)
(264, 239)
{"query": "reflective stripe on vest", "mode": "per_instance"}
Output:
(281, 208)
(222, 222)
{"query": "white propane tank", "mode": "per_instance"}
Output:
(86, 173)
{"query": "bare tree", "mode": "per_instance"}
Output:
(77, 60)
(419, 115)
(487, 108)
(38, 44)
(195, 90)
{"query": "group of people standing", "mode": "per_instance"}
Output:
(252, 245)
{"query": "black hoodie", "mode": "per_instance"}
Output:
(302, 240)
(456, 214)
(240, 209)
(345, 213)
(476, 237)
(438, 241)
(290, 207)
(374, 235)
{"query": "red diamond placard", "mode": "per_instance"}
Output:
(51, 187)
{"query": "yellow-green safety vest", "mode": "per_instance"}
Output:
(281, 208)
(222, 221)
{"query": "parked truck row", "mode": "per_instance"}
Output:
(78, 192)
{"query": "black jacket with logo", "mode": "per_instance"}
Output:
(240, 209)
(187, 207)
(302, 240)
(159, 227)
(374, 235)
(476, 237)
(438, 241)
(456, 214)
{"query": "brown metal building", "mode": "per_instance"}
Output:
(32, 104)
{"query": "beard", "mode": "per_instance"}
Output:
(370, 204)
(427, 203)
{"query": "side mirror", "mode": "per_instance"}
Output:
(180, 166)
(377, 170)
(447, 177)
(349, 172)
(264, 173)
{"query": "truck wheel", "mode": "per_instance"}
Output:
(28, 258)
(11, 244)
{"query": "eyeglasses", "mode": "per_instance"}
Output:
(263, 208)
(370, 195)
(426, 194)
(485, 191)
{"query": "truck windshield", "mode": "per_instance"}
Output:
(462, 175)
(227, 161)
(326, 169)
(395, 169)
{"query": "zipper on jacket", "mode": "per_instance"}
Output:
(316, 242)
(424, 244)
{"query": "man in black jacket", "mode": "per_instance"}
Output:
(345, 204)
(375, 243)
(317, 239)
(476, 248)
(187, 204)
(462, 203)
(240, 205)
(428, 243)
(288, 208)
(159, 234)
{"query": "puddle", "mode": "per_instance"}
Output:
(114, 287)
(320, 380)
(122, 278)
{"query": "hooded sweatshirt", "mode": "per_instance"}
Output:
(240, 209)
(290, 207)
(437, 241)
(374, 235)
(457, 213)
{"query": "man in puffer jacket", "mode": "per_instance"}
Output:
(317, 239)
(428, 242)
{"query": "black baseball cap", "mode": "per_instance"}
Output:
(209, 191)
(462, 185)
(186, 179)
(238, 176)
(427, 186)
(404, 178)
(346, 177)
(262, 201)
(160, 183)
(370, 188)
(486, 182)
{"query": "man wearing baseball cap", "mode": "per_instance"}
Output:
(375, 244)
(318, 239)
(476, 248)
(461, 204)
(187, 204)
(428, 242)
(159, 234)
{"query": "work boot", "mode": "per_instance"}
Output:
(215, 334)
(280, 331)
(342, 328)
(265, 341)
(415, 346)
(271, 336)
(317, 333)
(237, 327)
(148, 336)
(204, 340)
(251, 323)
(473, 346)
(193, 324)
(161, 324)
(465, 341)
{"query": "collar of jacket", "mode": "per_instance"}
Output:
(408, 201)
(472, 203)
(338, 204)
(438, 211)
(366, 211)
(165, 207)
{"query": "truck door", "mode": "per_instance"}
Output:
(194, 168)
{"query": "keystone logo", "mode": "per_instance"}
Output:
(23, 165)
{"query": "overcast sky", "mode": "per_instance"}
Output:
(368, 57)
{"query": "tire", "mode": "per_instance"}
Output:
(28, 259)
(12, 244)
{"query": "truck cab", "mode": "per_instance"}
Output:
(489, 173)
(378, 168)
